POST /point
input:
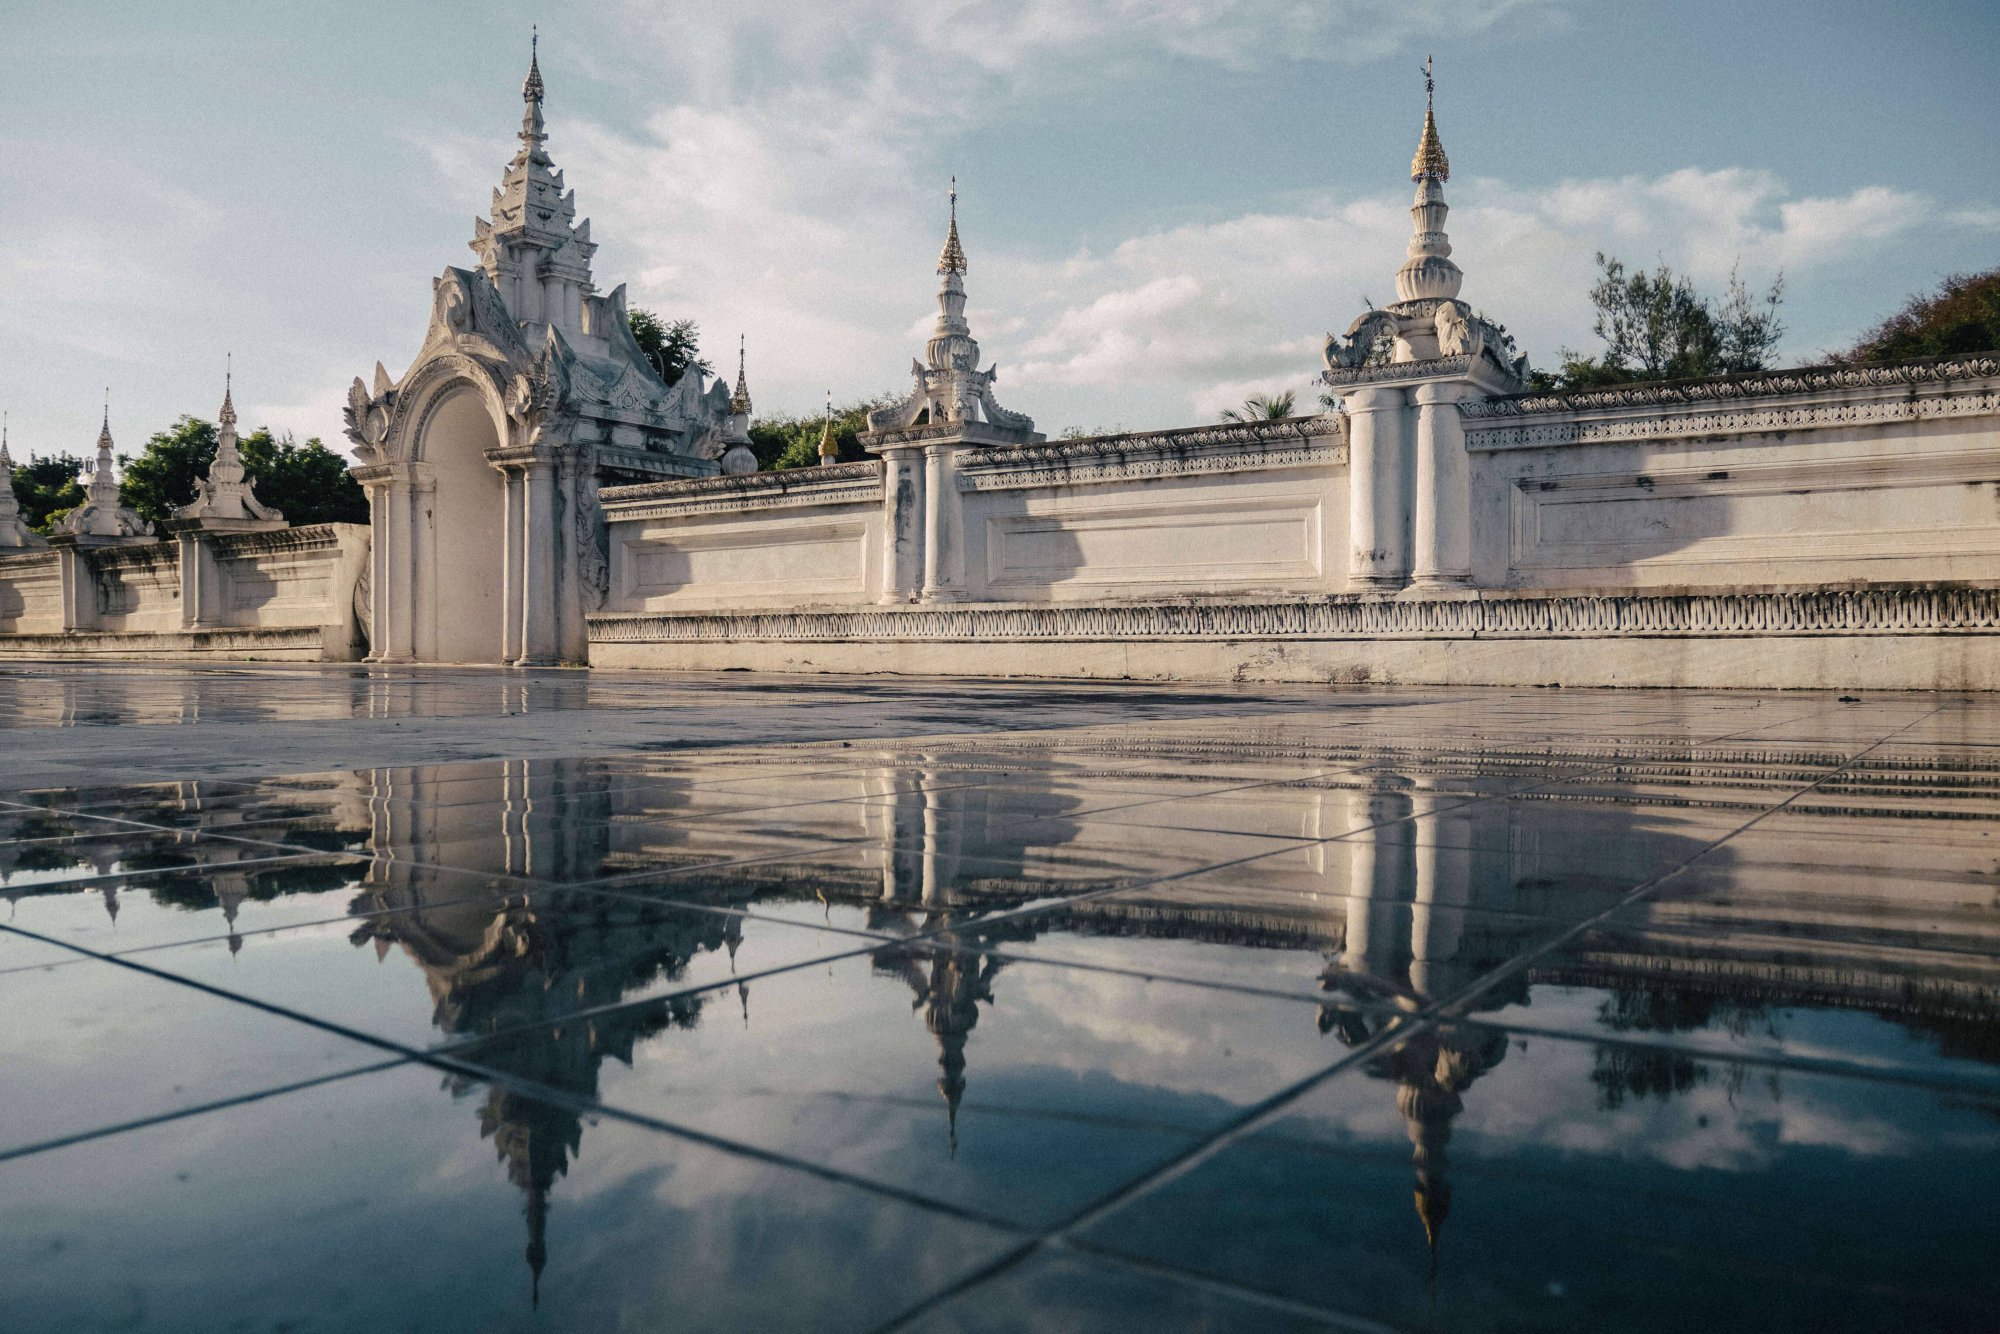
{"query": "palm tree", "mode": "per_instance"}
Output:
(1262, 408)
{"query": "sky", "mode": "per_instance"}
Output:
(1166, 203)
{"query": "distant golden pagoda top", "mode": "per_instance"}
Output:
(1430, 159)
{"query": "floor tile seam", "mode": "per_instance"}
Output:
(1522, 962)
(196, 868)
(1060, 1233)
(198, 1109)
(1829, 1066)
(1410, 818)
(1261, 1113)
(530, 1088)
(476, 896)
(597, 1012)
(1002, 1110)
(1172, 979)
(223, 993)
(1856, 941)
(1332, 1317)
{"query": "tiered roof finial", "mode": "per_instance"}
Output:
(1430, 159)
(949, 388)
(531, 87)
(829, 451)
(952, 258)
(223, 498)
(739, 402)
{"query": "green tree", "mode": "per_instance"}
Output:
(784, 442)
(161, 478)
(1656, 326)
(673, 347)
(1961, 316)
(309, 483)
(1263, 408)
(47, 489)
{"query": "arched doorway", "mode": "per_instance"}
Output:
(460, 613)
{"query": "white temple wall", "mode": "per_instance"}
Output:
(31, 594)
(1871, 485)
(762, 540)
(138, 588)
(284, 593)
(1265, 532)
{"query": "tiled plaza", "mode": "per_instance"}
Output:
(426, 999)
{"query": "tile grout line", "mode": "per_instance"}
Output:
(1265, 1110)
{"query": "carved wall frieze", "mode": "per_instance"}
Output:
(1233, 447)
(1492, 434)
(1974, 610)
(840, 484)
(1807, 380)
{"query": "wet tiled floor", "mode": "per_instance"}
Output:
(729, 1002)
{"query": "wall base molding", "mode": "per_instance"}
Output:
(1914, 637)
(275, 644)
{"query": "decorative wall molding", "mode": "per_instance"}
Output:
(1234, 447)
(1972, 609)
(1769, 384)
(1662, 423)
(840, 484)
(1819, 397)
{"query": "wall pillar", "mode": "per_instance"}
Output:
(393, 637)
(1443, 512)
(903, 523)
(201, 595)
(513, 564)
(1378, 516)
(944, 524)
(537, 607)
(78, 585)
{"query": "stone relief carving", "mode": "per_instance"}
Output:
(1859, 612)
(593, 552)
(1811, 379)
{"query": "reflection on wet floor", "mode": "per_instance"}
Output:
(1587, 1012)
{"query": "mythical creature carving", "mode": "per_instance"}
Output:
(593, 562)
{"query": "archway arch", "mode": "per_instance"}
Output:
(461, 607)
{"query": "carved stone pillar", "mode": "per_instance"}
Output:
(1443, 515)
(200, 598)
(944, 524)
(903, 524)
(513, 563)
(1378, 510)
(393, 571)
(77, 582)
(537, 608)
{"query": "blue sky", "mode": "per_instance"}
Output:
(1166, 204)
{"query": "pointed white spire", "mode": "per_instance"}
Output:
(739, 402)
(533, 248)
(101, 516)
(829, 449)
(13, 532)
(223, 499)
(1428, 274)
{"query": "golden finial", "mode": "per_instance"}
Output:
(1430, 159)
(952, 258)
(739, 402)
(828, 450)
(531, 88)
